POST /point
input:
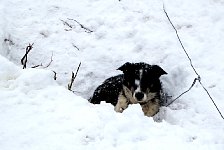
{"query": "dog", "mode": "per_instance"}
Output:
(139, 84)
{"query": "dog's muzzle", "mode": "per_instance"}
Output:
(139, 96)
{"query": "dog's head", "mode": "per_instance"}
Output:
(141, 80)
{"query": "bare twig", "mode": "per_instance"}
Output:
(66, 23)
(50, 61)
(82, 26)
(75, 46)
(73, 77)
(24, 59)
(55, 75)
(71, 82)
(41, 65)
(37, 66)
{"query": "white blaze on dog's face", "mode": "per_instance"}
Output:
(138, 94)
(142, 81)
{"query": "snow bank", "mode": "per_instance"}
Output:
(37, 112)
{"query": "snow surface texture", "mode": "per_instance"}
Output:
(39, 113)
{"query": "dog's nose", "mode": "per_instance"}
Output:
(139, 95)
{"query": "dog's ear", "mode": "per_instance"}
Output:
(125, 67)
(158, 71)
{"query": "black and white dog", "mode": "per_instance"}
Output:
(139, 84)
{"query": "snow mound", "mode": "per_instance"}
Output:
(37, 112)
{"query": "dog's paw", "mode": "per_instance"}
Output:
(119, 109)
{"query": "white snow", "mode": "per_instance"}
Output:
(39, 113)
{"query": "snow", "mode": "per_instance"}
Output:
(37, 112)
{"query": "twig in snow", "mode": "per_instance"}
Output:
(87, 30)
(67, 24)
(24, 59)
(41, 65)
(75, 46)
(37, 66)
(50, 61)
(55, 75)
(72, 80)
(73, 77)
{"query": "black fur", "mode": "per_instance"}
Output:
(140, 79)
(108, 91)
(150, 76)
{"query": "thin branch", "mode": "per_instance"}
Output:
(50, 61)
(66, 24)
(75, 46)
(77, 69)
(82, 26)
(36, 66)
(71, 82)
(55, 75)
(24, 59)
(41, 65)
(73, 77)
